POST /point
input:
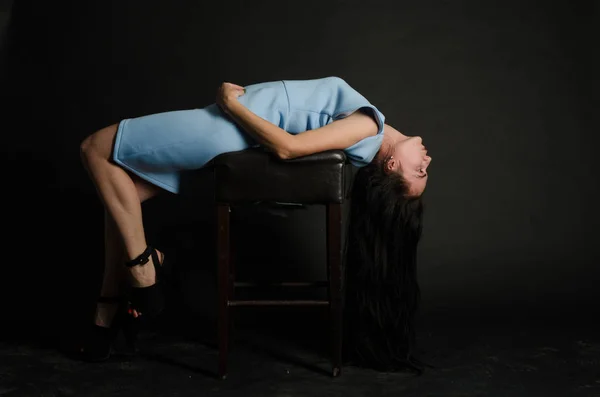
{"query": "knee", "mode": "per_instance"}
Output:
(86, 146)
(97, 144)
(88, 149)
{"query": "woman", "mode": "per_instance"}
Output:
(138, 158)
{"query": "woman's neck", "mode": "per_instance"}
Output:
(390, 136)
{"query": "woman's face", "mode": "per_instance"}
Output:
(409, 157)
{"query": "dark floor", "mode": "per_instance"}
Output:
(473, 356)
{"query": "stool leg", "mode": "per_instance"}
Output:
(223, 272)
(334, 267)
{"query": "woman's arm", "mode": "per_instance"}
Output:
(339, 134)
(266, 133)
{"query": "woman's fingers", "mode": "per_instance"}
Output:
(226, 93)
(239, 87)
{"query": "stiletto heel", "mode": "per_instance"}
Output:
(130, 330)
(98, 343)
(149, 300)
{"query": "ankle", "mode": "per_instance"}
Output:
(104, 314)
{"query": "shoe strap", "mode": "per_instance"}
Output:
(141, 259)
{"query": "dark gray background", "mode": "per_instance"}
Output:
(500, 91)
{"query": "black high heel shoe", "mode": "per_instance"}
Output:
(99, 343)
(150, 300)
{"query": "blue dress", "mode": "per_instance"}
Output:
(157, 147)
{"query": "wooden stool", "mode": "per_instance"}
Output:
(255, 175)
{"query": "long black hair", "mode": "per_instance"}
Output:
(382, 291)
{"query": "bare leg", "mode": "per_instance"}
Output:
(113, 256)
(122, 195)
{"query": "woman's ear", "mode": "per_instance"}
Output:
(391, 165)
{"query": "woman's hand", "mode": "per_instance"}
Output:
(228, 92)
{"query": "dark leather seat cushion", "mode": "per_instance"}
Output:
(255, 174)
